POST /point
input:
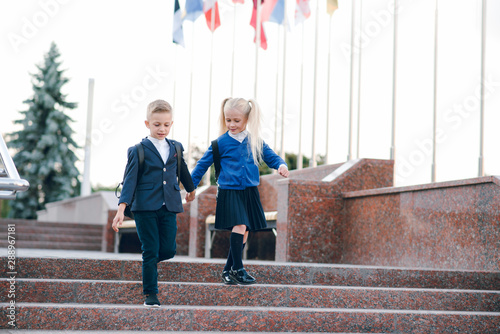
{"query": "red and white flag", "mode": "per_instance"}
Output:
(302, 11)
(253, 23)
(267, 9)
(208, 7)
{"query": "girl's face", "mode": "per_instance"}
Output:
(159, 124)
(235, 121)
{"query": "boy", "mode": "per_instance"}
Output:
(157, 196)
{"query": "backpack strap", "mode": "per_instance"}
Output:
(179, 159)
(140, 154)
(216, 155)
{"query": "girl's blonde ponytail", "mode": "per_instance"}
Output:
(253, 125)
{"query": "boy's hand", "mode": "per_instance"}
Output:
(283, 171)
(119, 217)
(190, 196)
(118, 221)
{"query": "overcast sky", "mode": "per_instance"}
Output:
(126, 47)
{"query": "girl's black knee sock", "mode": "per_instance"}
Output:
(229, 262)
(236, 242)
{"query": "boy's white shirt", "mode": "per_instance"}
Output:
(162, 147)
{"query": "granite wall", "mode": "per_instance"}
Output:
(205, 202)
(310, 213)
(448, 225)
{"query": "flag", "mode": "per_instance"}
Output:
(208, 7)
(194, 8)
(267, 9)
(302, 11)
(253, 23)
(331, 6)
(278, 14)
(177, 34)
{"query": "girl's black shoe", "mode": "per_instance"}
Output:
(226, 278)
(241, 277)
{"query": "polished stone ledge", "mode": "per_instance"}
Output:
(420, 187)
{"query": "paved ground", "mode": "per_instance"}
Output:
(69, 254)
(20, 331)
(76, 254)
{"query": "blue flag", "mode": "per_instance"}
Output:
(194, 8)
(278, 13)
(177, 34)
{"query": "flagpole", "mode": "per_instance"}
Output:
(481, 119)
(394, 76)
(434, 120)
(174, 88)
(257, 45)
(300, 158)
(277, 93)
(330, 10)
(315, 89)
(212, 24)
(86, 187)
(190, 101)
(349, 154)
(234, 43)
(327, 159)
(285, 23)
(359, 77)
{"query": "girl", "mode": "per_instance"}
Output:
(241, 150)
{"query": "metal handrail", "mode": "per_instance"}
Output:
(10, 181)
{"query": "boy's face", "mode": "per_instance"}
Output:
(235, 121)
(159, 124)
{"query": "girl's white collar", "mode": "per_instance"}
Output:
(239, 136)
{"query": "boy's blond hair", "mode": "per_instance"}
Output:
(158, 106)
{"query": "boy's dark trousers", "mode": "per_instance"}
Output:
(157, 231)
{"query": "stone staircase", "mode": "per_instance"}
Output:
(48, 235)
(105, 294)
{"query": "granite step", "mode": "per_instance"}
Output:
(27, 226)
(258, 295)
(104, 293)
(196, 270)
(241, 319)
(37, 244)
(58, 230)
(58, 237)
(49, 235)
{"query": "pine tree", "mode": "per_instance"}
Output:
(45, 150)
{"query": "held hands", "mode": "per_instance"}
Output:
(190, 196)
(283, 171)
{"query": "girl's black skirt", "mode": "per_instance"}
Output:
(239, 207)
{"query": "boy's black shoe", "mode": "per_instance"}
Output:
(152, 301)
(241, 276)
(226, 278)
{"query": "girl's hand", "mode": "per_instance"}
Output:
(190, 196)
(283, 171)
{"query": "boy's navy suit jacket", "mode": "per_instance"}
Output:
(157, 183)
